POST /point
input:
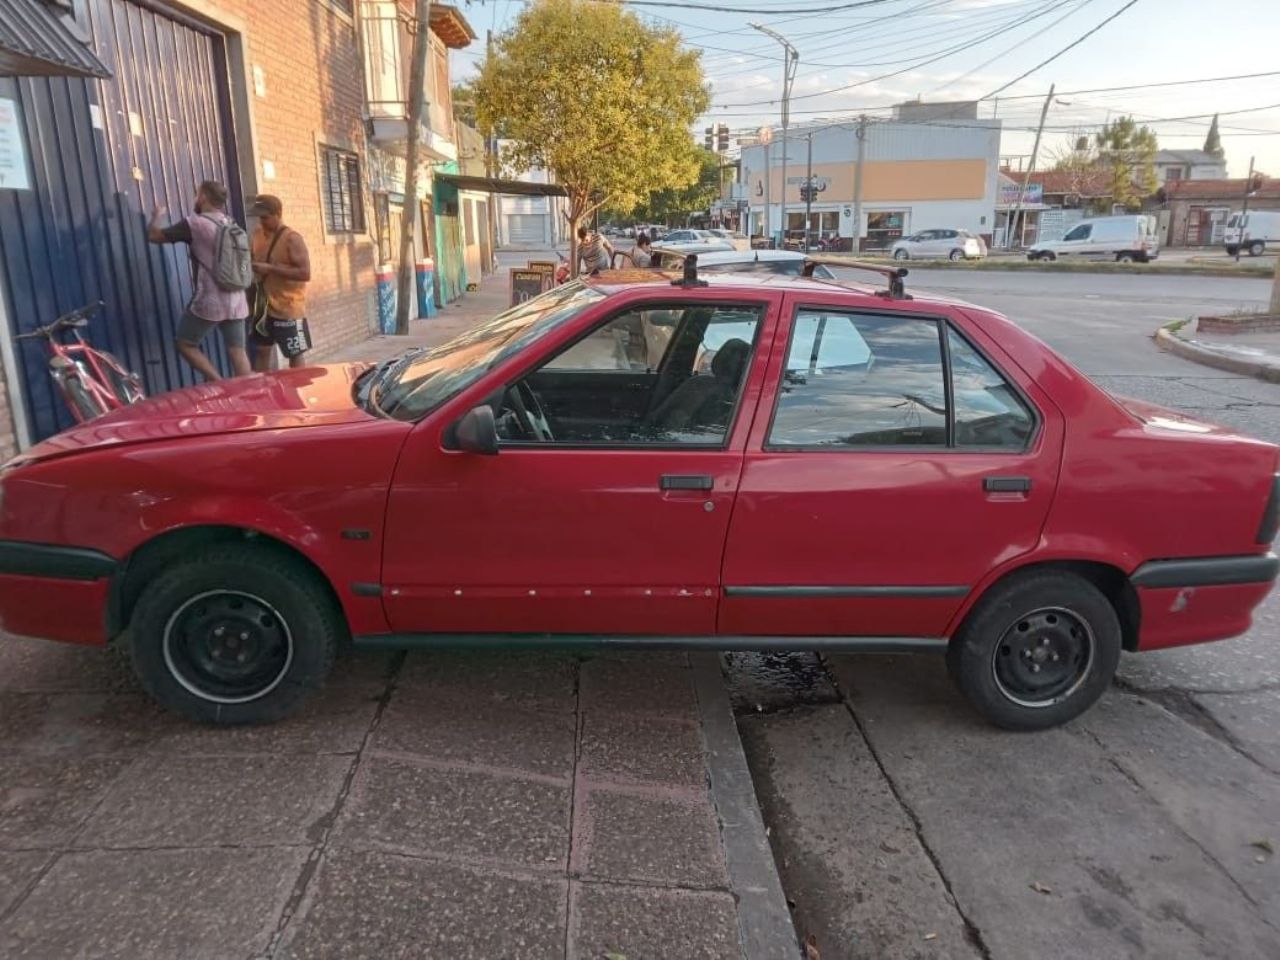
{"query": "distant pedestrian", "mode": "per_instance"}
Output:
(642, 253)
(283, 267)
(213, 239)
(595, 253)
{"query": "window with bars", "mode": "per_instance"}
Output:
(343, 198)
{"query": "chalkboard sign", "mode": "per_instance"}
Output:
(548, 270)
(525, 285)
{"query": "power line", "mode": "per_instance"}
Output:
(755, 10)
(1061, 93)
(942, 56)
(1074, 43)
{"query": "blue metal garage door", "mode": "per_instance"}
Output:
(101, 155)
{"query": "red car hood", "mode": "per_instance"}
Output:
(308, 397)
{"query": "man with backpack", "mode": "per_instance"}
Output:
(222, 269)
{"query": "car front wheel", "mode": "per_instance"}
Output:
(1037, 650)
(901, 255)
(236, 634)
(1256, 248)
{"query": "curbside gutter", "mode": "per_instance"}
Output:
(1245, 271)
(1263, 368)
(765, 929)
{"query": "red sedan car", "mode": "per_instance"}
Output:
(757, 462)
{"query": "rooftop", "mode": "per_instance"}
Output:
(1194, 157)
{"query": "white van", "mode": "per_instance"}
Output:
(1125, 239)
(1252, 232)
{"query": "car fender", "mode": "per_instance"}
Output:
(1059, 549)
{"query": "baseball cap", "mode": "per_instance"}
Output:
(264, 204)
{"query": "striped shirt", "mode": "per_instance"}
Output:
(592, 253)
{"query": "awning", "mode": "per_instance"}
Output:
(35, 40)
(495, 185)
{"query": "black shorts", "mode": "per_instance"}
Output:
(293, 337)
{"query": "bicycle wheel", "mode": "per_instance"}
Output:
(124, 384)
(84, 406)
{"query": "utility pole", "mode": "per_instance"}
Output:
(861, 134)
(491, 167)
(808, 191)
(1244, 207)
(1026, 177)
(766, 135)
(791, 60)
(416, 119)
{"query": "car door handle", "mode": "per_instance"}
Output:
(1006, 484)
(676, 481)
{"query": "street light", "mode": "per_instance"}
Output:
(791, 61)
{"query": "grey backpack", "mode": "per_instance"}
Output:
(232, 266)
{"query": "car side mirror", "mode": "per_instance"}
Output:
(477, 432)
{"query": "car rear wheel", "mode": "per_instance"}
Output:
(955, 255)
(1256, 248)
(236, 634)
(901, 255)
(1124, 258)
(1037, 650)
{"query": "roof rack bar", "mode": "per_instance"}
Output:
(897, 289)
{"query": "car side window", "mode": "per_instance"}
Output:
(861, 380)
(1079, 233)
(669, 374)
(988, 410)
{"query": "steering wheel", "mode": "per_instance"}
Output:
(528, 409)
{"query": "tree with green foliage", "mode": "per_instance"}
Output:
(597, 97)
(1213, 142)
(1128, 153)
(673, 205)
(464, 102)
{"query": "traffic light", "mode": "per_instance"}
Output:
(708, 140)
(722, 138)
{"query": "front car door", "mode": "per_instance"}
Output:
(1077, 240)
(606, 508)
(900, 460)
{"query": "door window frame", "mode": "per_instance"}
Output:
(942, 324)
(758, 343)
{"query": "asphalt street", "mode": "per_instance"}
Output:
(903, 826)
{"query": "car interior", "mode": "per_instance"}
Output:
(658, 375)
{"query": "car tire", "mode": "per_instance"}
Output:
(1256, 248)
(1037, 650)
(237, 634)
(1232, 251)
(901, 255)
(955, 255)
(1124, 258)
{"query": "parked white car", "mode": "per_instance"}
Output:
(951, 244)
(783, 262)
(1252, 232)
(740, 241)
(1125, 239)
(690, 236)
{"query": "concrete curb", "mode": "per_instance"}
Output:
(1250, 272)
(1167, 339)
(764, 920)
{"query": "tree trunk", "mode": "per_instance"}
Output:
(1275, 292)
(417, 118)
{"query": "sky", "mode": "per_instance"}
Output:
(887, 51)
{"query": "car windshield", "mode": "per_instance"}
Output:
(414, 384)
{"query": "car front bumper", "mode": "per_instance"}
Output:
(55, 592)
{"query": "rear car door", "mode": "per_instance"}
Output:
(896, 459)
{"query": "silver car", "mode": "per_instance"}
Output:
(951, 244)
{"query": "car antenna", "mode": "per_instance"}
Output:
(690, 277)
(897, 289)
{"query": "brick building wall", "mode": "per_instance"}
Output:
(307, 55)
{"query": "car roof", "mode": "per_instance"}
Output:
(713, 257)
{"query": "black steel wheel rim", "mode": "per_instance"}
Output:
(1043, 657)
(228, 646)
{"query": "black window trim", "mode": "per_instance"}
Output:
(761, 305)
(943, 324)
